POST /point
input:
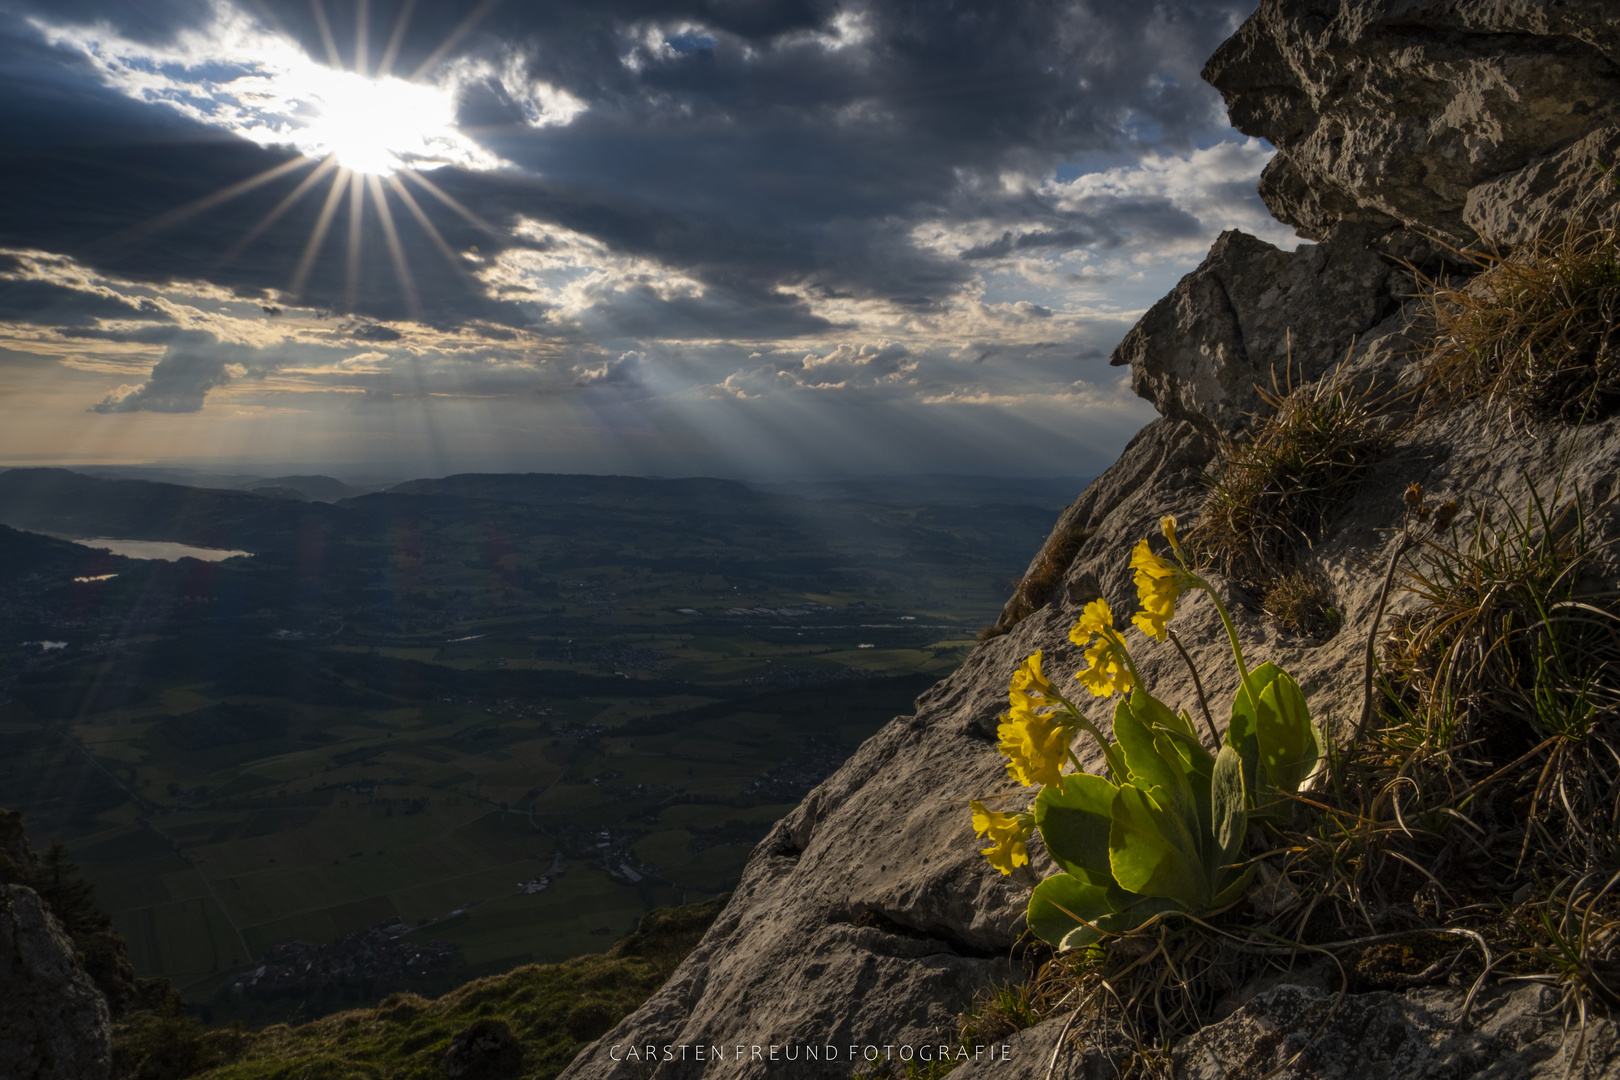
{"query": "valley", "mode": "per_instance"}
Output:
(502, 714)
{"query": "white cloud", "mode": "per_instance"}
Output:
(234, 74)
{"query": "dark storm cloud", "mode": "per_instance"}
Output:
(754, 146)
(45, 303)
(1125, 220)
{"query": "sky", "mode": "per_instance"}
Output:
(764, 239)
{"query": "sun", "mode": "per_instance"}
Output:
(375, 126)
(356, 128)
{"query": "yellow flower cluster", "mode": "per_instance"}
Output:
(1108, 667)
(1035, 731)
(1159, 584)
(1157, 588)
(1006, 833)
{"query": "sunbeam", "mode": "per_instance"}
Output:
(208, 202)
(317, 235)
(357, 210)
(332, 55)
(474, 17)
(386, 66)
(327, 165)
(452, 202)
(362, 28)
(396, 252)
(427, 225)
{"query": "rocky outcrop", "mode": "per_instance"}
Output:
(54, 1024)
(1414, 112)
(867, 917)
(1254, 316)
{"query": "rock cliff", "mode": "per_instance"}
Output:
(867, 917)
(54, 1023)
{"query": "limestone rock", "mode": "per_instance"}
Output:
(54, 1024)
(1253, 315)
(1393, 111)
(1572, 185)
(1511, 1035)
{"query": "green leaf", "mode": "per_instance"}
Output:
(1233, 889)
(1283, 727)
(1153, 712)
(1195, 760)
(1151, 851)
(1071, 914)
(1151, 759)
(1229, 808)
(1074, 820)
(1243, 723)
(1061, 907)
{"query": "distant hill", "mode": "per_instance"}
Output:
(940, 489)
(315, 488)
(544, 488)
(62, 501)
(24, 553)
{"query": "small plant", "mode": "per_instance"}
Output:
(1578, 937)
(997, 1013)
(1302, 602)
(1535, 332)
(1275, 492)
(1164, 831)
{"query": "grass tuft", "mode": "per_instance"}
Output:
(1302, 602)
(1535, 331)
(1509, 638)
(1275, 492)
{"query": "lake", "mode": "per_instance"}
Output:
(159, 549)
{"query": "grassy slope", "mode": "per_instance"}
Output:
(553, 1009)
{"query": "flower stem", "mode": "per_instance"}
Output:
(1198, 684)
(1231, 631)
(1111, 755)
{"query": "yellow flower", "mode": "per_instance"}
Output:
(1006, 833)
(1036, 744)
(1108, 670)
(1158, 586)
(1096, 618)
(1167, 525)
(1029, 687)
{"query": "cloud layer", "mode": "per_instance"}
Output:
(754, 221)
